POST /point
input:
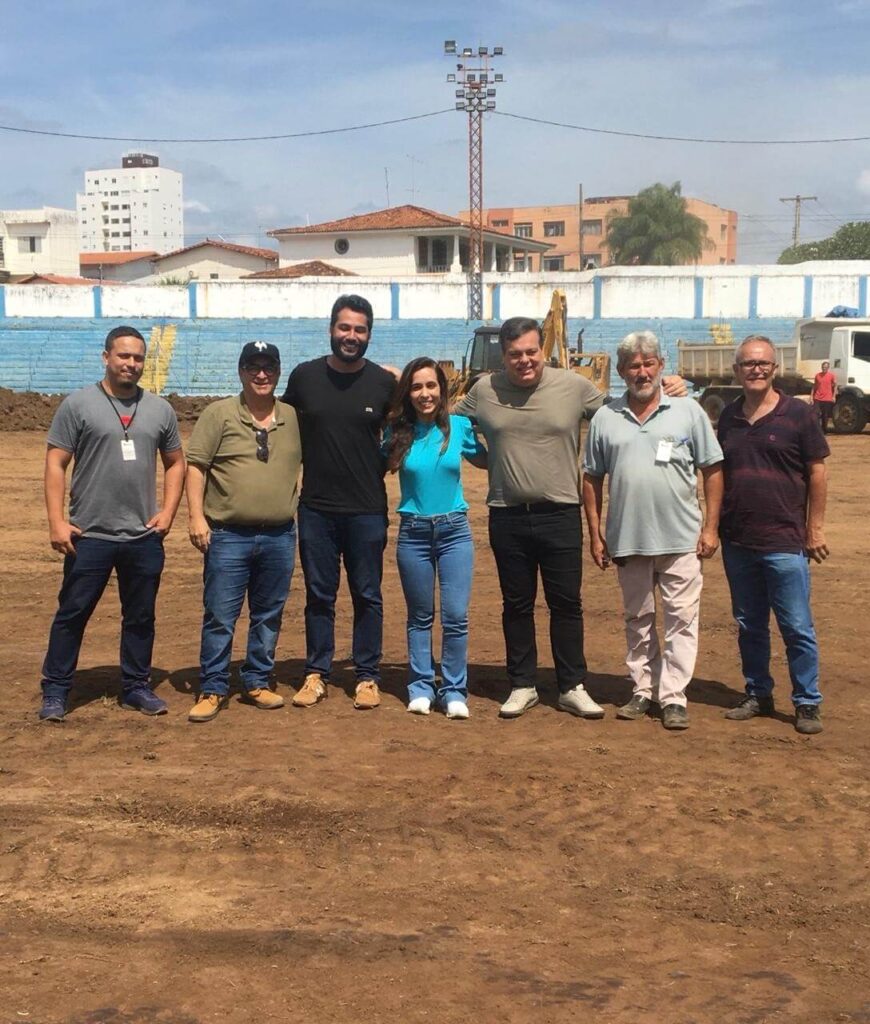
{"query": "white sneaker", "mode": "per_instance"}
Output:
(578, 702)
(520, 701)
(420, 706)
(457, 709)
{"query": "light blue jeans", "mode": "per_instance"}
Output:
(760, 582)
(253, 560)
(442, 546)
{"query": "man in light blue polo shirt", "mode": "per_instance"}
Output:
(652, 447)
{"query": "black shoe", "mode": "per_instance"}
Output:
(750, 707)
(53, 709)
(807, 719)
(140, 698)
(636, 708)
(675, 716)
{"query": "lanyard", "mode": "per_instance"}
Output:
(115, 408)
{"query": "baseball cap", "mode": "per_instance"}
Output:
(262, 350)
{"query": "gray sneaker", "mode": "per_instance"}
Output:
(637, 707)
(521, 700)
(578, 702)
(807, 719)
(750, 707)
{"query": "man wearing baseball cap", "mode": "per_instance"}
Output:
(243, 466)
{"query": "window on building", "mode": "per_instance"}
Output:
(523, 230)
(554, 262)
(114, 206)
(213, 277)
(498, 223)
(591, 227)
(591, 260)
(116, 234)
(114, 220)
(554, 228)
(125, 234)
(30, 243)
(519, 261)
(723, 232)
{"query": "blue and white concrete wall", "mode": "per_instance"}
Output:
(51, 336)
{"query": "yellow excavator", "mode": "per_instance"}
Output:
(484, 353)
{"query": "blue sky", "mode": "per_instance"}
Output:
(727, 68)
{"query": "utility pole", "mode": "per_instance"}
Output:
(797, 200)
(475, 94)
(387, 182)
(580, 226)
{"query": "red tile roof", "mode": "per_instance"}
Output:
(57, 279)
(313, 268)
(395, 218)
(96, 259)
(248, 250)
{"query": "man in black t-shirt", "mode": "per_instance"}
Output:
(341, 401)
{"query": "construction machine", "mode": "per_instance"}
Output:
(483, 354)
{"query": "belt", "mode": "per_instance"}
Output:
(534, 507)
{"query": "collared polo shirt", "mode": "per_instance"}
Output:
(241, 490)
(652, 505)
(766, 472)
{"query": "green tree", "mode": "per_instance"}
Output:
(657, 230)
(849, 242)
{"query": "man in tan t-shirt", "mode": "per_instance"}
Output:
(243, 466)
(530, 417)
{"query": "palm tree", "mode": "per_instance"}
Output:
(657, 230)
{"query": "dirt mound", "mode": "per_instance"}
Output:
(30, 410)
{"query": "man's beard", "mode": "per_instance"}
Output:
(360, 346)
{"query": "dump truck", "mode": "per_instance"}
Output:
(483, 353)
(844, 343)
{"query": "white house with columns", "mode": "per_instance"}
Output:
(401, 241)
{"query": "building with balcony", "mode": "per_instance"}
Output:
(41, 241)
(134, 207)
(402, 241)
(569, 239)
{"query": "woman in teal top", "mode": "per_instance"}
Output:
(426, 446)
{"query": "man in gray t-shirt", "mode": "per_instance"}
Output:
(111, 432)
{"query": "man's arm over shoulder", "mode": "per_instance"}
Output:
(706, 448)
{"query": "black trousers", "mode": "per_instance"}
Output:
(546, 538)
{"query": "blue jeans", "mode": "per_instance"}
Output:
(253, 560)
(325, 538)
(138, 565)
(442, 545)
(762, 581)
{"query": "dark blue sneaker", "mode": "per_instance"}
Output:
(53, 709)
(144, 700)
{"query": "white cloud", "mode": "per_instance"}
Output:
(195, 206)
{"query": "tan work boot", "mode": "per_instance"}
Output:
(312, 691)
(207, 707)
(367, 695)
(262, 698)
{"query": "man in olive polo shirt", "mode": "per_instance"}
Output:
(243, 466)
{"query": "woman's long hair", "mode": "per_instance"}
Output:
(402, 415)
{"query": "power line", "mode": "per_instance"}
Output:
(682, 138)
(241, 138)
(699, 140)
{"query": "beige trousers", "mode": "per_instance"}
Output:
(658, 673)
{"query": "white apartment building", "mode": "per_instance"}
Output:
(41, 241)
(137, 206)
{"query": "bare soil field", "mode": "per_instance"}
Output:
(328, 865)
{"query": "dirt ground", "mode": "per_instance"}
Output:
(332, 866)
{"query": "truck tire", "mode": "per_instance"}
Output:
(713, 404)
(849, 416)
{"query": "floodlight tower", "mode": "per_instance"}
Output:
(475, 94)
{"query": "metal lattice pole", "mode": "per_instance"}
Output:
(475, 94)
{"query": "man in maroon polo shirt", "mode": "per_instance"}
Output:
(772, 523)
